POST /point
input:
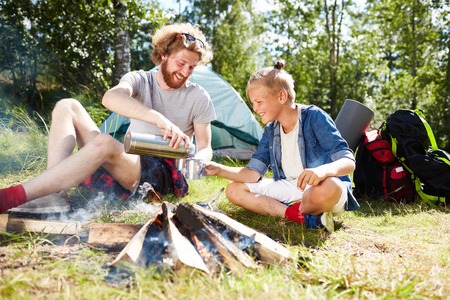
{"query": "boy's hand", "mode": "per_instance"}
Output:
(311, 176)
(211, 168)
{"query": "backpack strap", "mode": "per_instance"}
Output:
(387, 136)
(444, 160)
(428, 129)
(434, 145)
(429, 199)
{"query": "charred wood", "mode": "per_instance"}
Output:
(206, 233)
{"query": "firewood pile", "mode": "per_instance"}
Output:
(174, 237)
(190, 235)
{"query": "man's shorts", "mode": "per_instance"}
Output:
(164, 177)
(286, 191)
(160, 173)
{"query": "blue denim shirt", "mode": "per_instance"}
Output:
(319, 143)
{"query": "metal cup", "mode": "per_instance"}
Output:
(180, 164)
(194, 168)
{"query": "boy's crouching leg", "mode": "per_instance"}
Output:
(239, 194)
(236, 192)
(322, 197)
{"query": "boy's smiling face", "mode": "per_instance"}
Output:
(264, 103)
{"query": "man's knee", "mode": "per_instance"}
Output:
(67, 106)
(107, 145)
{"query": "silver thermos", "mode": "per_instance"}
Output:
(154, 145)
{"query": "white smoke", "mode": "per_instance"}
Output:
(108, 203)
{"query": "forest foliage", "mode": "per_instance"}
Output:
(387, 54)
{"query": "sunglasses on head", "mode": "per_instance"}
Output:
(189, 38)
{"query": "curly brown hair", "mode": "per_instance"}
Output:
(164, 42)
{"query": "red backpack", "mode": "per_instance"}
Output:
(379, 174)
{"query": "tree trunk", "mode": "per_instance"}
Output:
(447, 77)
(333, 30)
(414, 56)
(122, 56)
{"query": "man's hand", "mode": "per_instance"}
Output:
(170, 130)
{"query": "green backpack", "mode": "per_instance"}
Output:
(414, 144)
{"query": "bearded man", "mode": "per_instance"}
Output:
(159, 102)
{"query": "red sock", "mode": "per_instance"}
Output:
(12, 197)
(293, 214)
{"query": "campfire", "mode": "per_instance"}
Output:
(190, 235)
(175, 236)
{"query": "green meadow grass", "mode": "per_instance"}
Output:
(382, 251)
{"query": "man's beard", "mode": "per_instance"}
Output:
(169, 77)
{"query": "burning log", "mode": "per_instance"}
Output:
(183, 251)
(231, 255)
(189, 235)
(267, 250)
(155, 247)
(133, 249)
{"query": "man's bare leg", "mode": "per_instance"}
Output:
(71, 125)
(104, 151)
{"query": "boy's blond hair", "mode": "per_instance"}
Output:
(165, 42)
(274, 79)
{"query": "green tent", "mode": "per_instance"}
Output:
(235, 133)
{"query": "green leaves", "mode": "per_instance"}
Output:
(387, 54)
(235, 30)
(67, 45)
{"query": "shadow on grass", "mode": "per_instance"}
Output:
(280, 230)
(373, 208)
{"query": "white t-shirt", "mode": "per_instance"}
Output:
(186, 106)
(291, 162)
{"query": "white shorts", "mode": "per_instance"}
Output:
(286, 191)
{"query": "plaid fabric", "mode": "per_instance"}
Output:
(161, 173)
(180, 186)
(101, 180)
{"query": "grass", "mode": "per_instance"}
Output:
(382, 251)
(24, 147)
